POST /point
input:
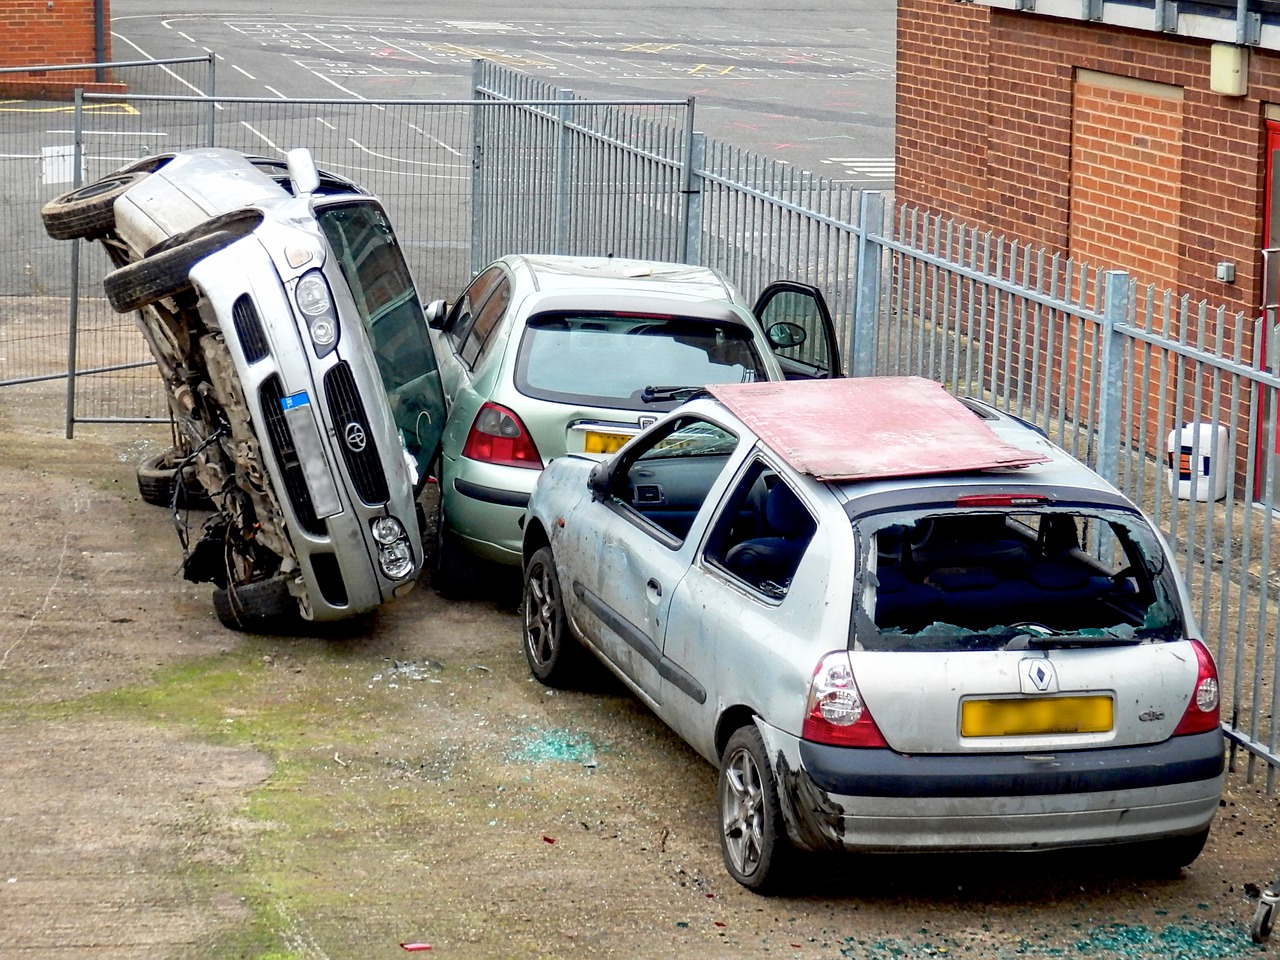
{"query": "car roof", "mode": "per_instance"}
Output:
(562, 273)
(864, 428)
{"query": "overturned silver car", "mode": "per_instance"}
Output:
(287, 329)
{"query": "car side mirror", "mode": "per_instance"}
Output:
(598, 481)
(785, 334)
(436, 311)
(302, 171)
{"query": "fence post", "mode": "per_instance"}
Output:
(73, 308)
(695, 161)
(479, 200)
(866, 304)
(1115, 312)
(563, 175)
(212, 106)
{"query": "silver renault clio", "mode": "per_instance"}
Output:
(893, 620)
(293, 344)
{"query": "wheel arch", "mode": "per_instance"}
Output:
(730, 720)
(535, 538)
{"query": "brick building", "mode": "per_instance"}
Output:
(1134, 134)
(50, 33)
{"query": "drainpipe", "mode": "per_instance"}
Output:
(100, 38)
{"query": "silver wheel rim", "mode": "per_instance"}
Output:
(540, 620)
(742, 812)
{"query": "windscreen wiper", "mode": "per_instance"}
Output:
(656, 394)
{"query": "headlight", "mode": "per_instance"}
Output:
(395, 556)
(387, 529)
(316, 303)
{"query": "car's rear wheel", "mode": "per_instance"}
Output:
(88, 212)
(158, 483)
(258, 607)
(162, 274)
(454, 572)
(753, 838)
(554, 654)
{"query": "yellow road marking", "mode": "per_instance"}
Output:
(477, 53)
(649, 47)
(121, 108)
(706, 66)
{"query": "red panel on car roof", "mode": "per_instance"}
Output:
(865, 427)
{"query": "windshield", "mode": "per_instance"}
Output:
(610, 360)
(378, 277)
(1013, 580)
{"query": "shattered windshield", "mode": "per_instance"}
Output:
(1008, 580)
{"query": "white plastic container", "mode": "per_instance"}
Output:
(1198, 451)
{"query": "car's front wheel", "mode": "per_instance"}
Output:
(753, 837)
(262, 606)
(554, 655)
(163, 273)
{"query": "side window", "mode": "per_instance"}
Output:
(463, 315)
(486, 321)
(665, 484)
(762, 532)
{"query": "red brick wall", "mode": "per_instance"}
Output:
(51, 32)
(994, 149)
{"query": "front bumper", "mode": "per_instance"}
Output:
(836, 798)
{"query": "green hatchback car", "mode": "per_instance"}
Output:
(542, 356)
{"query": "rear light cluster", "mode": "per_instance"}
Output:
(1202, 712)
(835, 713)
(497, 436)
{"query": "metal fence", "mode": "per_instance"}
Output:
(1107, 367)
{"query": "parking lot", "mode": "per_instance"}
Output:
(175, 789)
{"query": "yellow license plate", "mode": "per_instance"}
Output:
(1036, 715)
(604, 442)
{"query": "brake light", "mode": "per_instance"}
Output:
(1202, 712)
(498, 436)
(835, 712)
(999, 500)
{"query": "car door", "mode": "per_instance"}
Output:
(468, 325)
(660, 495)
(799, 328)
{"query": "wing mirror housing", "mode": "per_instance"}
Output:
(302, 171)
(436, 311)
(599, 480)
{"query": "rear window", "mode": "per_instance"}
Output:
(1037, 579)
(608, 360)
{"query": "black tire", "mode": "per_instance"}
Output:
(1263, 919)
(455, 571)
(88, 212)
(554, 654)
(753, 838)
(157, 483)
(164, 274)
(259, 607)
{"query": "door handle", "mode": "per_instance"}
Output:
(654, 587)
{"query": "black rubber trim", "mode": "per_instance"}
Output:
(503, 498)
(849, 771)
(639, 641)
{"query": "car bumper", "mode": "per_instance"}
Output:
(486, 506)
(836, 798)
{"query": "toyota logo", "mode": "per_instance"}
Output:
(355, 437)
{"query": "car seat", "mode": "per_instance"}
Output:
(775, 557)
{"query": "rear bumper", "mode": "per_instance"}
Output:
(877, 800)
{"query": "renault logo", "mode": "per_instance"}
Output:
(1039, 673)
(355, 437)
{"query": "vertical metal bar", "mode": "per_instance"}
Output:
(695, 160)
(866, 320)
(1115, 312)
(73, 309)
(563, 174)
(211, 107)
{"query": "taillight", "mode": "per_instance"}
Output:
(498, 436)
(835, 712)
(1202, 712)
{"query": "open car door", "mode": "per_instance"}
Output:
(799, 328)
